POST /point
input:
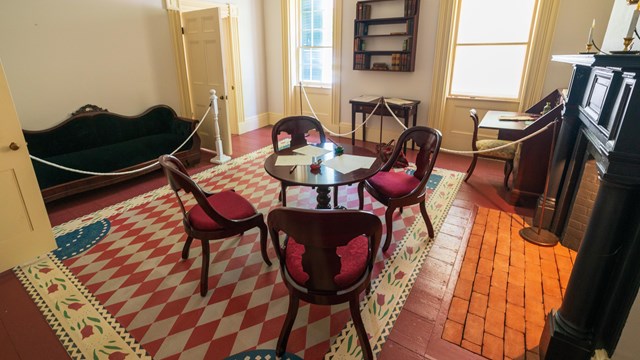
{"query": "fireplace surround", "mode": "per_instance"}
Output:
(601, 121)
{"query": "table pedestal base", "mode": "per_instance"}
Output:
(323, 197)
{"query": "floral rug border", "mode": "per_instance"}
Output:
(392, 287)
(85, 328)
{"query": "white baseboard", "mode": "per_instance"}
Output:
(254, 122)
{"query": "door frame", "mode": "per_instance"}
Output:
(231, 53)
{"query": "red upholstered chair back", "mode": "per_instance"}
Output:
(321, 232)
(297, 127)
(428, 141)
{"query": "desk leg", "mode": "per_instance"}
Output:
(353, 124)
(323, 197)
(364, 127)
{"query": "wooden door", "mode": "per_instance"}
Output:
(25, 230)
(205, 68)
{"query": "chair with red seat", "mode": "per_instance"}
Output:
(397, 189)
(326, 258)
(215, 215)
(298, 127)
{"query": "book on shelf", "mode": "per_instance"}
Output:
(363, 11)
(410, 7)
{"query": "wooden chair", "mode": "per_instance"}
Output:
(505, 154)
(327, 258)
(297, 127)
(397, 189)
(215, 216)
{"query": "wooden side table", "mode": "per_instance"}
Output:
(404, 111)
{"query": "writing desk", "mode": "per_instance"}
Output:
(404, 111)
(532, 156)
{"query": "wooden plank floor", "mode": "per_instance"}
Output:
(417, 334)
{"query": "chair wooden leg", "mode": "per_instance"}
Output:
(354, 306)
(388, 218)
(283, 195)
(263, 243)
(472, 166)
(427, 221)
(292, 312)
(361, 195)
(185, 249)
(204, 277)
(335, 197)
(508, 168)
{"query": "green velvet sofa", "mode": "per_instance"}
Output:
(94, 139)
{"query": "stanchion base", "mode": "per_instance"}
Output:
(220, 159)
(544, 238)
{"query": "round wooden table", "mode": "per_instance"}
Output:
(326, 177)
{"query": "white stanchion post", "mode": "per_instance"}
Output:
(220, 157)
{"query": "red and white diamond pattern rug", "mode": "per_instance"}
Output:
(137, 274)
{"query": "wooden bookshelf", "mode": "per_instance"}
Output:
(385, 42)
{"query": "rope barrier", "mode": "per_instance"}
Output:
(334, 133)
(384, 101)
(62, 167)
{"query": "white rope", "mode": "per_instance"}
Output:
(405, 128)
(122, 172)
(501, 146)
(331, 132)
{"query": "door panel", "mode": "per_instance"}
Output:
(25, 230)
(205, 67)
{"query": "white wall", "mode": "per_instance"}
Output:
(273, 54)
(571, 33)
(60, 55)
(410, 85)
(618, 26)
(252, 55)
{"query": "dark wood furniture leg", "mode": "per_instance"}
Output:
(353, 124)
(323, 198)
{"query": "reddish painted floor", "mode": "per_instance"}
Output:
(418, 330)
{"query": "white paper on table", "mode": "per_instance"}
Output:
(366, 98)
(289, 160)
(397, 101)
(347, 163)
(311, 150)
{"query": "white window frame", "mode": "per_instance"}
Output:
(455, 44)
(300, 47)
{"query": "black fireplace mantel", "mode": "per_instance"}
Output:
(601, 120)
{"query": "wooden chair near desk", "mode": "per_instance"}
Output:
(505, 154)
(298, 127)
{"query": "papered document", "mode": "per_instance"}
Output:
(366, 98)
(347, 163)
(311, 150)
(397, 101)
(289, 160)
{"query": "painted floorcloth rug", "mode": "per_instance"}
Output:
(134, 279)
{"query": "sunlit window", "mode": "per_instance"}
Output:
(491, 46)
(316, 37)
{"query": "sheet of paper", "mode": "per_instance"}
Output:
(347, 163)
(397, 101)
(517, 118)
(289, 160)
(312, 151)
(367, 98)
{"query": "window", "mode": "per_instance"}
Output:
(491, 48)
(315, 41)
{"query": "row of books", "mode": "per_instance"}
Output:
(361, 29)
(358, 44)
(363, 11)
(406, 45)
(360, 62)
(400, 62)
(410, 7)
